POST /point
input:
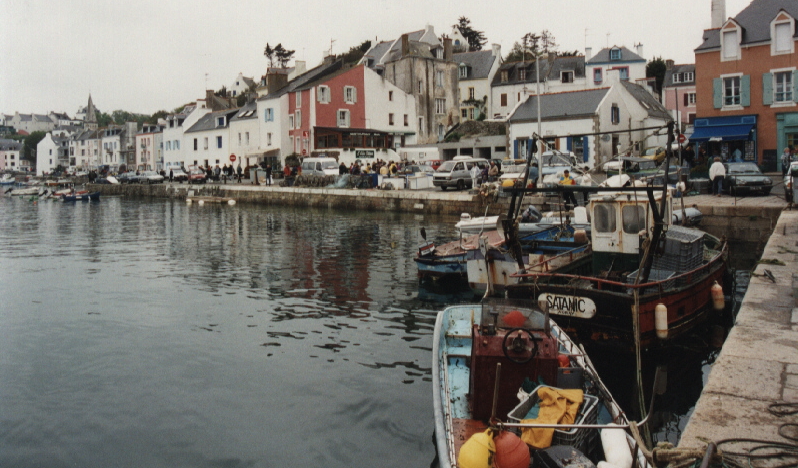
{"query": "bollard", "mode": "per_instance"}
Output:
(795, 288)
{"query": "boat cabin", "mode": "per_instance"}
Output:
(619, 223)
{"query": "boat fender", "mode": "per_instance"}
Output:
(201, 202)
(661, 320)
(718, 303)
(514, 319)
(465, 217)
(511, 451)
(563, 360)
(478, 451)
(616, 449)
(580, 237)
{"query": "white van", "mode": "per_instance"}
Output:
(319, 166)
(457, 172)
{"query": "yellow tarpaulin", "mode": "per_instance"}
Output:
(556, 407)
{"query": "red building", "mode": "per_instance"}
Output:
(747, 84)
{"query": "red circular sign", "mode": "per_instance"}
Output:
(682, 138)
(232, 158)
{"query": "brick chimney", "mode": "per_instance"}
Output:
(668, 64)
(276, 81)
(405, 45)
(448, 50)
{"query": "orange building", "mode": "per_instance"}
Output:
(747, 84)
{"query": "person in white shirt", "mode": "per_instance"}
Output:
(716, 174)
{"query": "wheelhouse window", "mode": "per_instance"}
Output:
(604, 215)
(634, 218)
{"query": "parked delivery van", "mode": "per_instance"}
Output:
(319, 166)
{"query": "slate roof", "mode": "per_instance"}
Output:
(208, 121)
(567, 104)
(755, 22)
(479, 63)
(248, 112)
(513, 70)
(569, 63)
(394, 49)
(603, 56)
(10, 145)
(650, 104)
(668, 80)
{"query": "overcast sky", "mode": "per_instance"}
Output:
(147, 55)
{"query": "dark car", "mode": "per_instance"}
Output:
(745, 177)
(129, 177)
(197, 176)
(674, 174)
(636, 167)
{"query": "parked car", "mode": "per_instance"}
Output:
(433, 163)
(129, 177)
(635, 167)
(655, 153)
(674, 174)
(416, 169)
(150, 177)
(319, 166)
(746, 177)
(178, 174)
(197, 176)
(457, 173)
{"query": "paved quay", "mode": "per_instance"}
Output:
(758, 364)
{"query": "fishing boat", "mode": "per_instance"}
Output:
(21, 192)
(645, 280)
(7, 179)
(492, 365)
(81, 196)
(447, 262)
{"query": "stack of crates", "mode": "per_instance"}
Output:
(684, 250)
(653, 275)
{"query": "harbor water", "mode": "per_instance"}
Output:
(155, 333)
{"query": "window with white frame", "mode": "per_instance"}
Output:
(220, 121)
(323, 94)
(463, 71)
(522, 75)
(439, 78)
(298, 121)
(219, 141)
(168, 145)
(299, 98)
(177, 144)
(350, 94)
(343, 118)
(567, 77)
(782, 34)
(731, 91)
(268, 115)
(471, 93)
(730, 45)
(782, 87)
(291, 121)
(689, 99)
(440, 106)
(504, 76)
(597, 76)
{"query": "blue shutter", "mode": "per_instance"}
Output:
(585, 149)
(745, 90)
(717, 93)
(795, 85)
(569, 144)
(767, 89)
(515, 150)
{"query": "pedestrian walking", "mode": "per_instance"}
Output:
(717, 172)
(786, 158)
(171, 175)
(238, 171)
(268, 174)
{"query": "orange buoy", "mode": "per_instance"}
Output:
(563, 360)
(478, 451)
(514, 319)
(511, 451)
(718, 302)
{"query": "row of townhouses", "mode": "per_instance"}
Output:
(416, 97)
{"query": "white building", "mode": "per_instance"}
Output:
(51, 152)
(10, 151)
(569, 121)
(245, 136)
(475, 71)
(241, 85)
(208, 140)
(174, 153)
(631, 66)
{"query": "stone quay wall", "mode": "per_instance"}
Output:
(753, 221)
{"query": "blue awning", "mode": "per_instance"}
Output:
(722, 133)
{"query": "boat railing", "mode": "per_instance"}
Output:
(688, 277)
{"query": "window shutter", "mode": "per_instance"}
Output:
(569, 144)
(515, 149)
(685, 99)
(795, 85)
(717, 93)
(585, 150)
(745, 90)
(767, 89)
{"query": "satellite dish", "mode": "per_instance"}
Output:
(605, 138)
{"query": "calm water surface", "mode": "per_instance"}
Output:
(159, 334)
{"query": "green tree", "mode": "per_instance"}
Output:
(283, 55)
(531, 45)
(268, 52)
(29, 145)
(476, 39)
(103, 119)
(357, 52)
(153, 119)
(657, 68)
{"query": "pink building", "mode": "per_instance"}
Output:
(678, 93)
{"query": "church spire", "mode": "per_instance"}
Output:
(90, 121)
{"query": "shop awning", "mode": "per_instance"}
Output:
(722, 133)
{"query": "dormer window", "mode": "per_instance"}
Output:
(504, 76)
(782, 30)
(522, 75)
(615, 54)
(567, 76)
(597, 76)
(438, 53)
(463, 71)
(730, 42)
(220, 121)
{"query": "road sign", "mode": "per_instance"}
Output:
(682, 138)
(232, 158)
